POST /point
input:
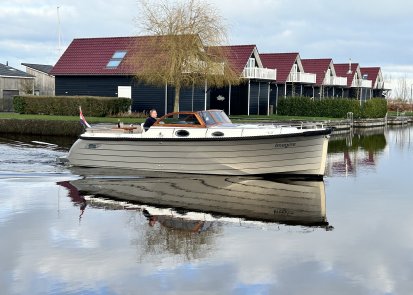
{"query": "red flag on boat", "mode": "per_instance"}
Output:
(82, 119)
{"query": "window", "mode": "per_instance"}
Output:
(220, 117)
(251, 63)
(116, 59)
(208, 119)
(181, 119)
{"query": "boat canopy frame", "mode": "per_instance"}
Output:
(198, 119)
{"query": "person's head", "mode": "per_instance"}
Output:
(153, 113)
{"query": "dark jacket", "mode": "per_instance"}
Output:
(148, 123)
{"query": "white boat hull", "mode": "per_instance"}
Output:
(298, 154)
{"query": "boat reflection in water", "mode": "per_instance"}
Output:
(182, 200)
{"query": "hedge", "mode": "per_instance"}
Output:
(41, 127)
(331, 107)
(374, 108)
(69, 105)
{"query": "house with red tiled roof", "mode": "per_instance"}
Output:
(375, 75)
(291, 77)
(357, 86)
(327, 84)
(106, 67)
(253, 95)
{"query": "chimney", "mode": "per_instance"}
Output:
(349, 67)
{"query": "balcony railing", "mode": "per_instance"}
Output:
(259, 73)
(335, 81)
(362, 83)
(301, 77)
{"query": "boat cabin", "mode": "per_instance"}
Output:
(200, 119)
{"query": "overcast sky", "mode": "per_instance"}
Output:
(370, 32)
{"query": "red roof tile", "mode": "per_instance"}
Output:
(237, 56)
(283, 62)
(318, 67)
(342, 70)
(90, 56)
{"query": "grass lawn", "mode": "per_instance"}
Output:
(406, 113)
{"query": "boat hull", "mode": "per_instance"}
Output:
(299, 154)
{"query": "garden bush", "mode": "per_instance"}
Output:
(331, 107)
(92, 106)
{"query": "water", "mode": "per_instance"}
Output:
(114, 233)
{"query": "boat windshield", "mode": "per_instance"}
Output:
(214, 117)
(221, 117)
(179, 119)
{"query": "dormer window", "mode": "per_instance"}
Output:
(116, 59)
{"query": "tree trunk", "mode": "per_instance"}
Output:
(177, 94)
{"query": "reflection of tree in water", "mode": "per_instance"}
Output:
(161, 234)
(189, 239)
(371, 143)
(354, 149)
(402, 135)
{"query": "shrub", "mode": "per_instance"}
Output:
(374, 108)
(331, 107)
(69, 105)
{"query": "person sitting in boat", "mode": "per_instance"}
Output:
(150, 120)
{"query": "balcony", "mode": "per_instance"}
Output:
(301, 77)
(335, 81)
(259, 73)
(361, 83)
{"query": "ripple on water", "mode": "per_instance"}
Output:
(29, 158)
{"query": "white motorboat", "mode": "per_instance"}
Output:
(204, 142)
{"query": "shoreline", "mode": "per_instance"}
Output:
(72, 127)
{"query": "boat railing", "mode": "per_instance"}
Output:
(115, 130)
(309, 125)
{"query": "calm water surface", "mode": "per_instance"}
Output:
(117, 233)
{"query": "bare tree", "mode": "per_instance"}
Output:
(27, 86)
(402, 89)
(185, 47)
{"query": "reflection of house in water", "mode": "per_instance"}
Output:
(357, 150)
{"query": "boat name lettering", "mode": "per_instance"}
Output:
(283, 211)
(284, 145)
(92, 146)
